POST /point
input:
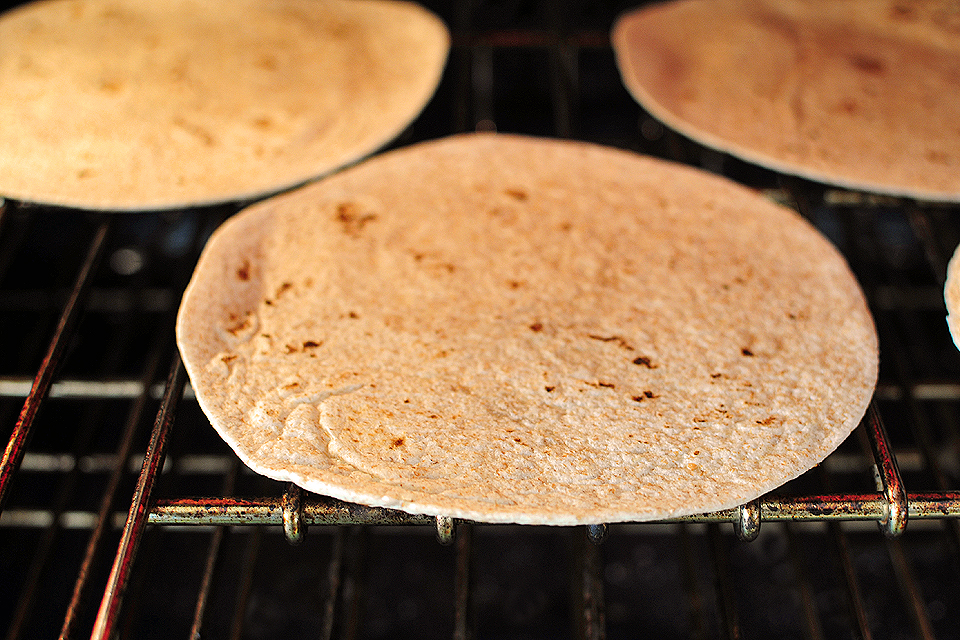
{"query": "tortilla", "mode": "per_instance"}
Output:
(857, 94)
(131, 104)
(951, 296)
(511, 329)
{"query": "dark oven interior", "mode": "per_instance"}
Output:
(125, 514)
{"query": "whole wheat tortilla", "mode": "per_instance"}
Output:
(134, 104)
(511, 329)
(856, 93)
(951, 296)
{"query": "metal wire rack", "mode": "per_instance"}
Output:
(123, 514)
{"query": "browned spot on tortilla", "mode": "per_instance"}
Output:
(868, 64)
(111, 86)
(937, 157)
(903, 12)
(239, 326)
(353, 218)
(618, 339)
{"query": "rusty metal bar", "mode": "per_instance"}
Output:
(245, 585)
(726, 602)
(139, 507)
(213, 552)
(910, 590)
(808, 601)
(854, 593)
(105, 513)
(591, 619)
(691, 570)
(462, 622)
(318, 510)
(530, 39)
(16, 446)
(895, 515)
(923, 231)
(334, 580)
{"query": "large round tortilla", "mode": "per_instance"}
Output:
(951, 296)
(856, 93)
(134, 104)
(508, 329)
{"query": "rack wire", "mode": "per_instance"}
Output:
(123, 514)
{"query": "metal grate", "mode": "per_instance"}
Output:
(123, 514)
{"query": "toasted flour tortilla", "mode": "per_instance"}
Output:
(512, 329)
(856, 93)
(132, 104)
(951, 296)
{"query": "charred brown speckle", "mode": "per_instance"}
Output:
(243, 273)
(617, 339)
(868, 64)
(902, 12)
(238, 326)
(352, 218)
(746, 351)
(644, 361)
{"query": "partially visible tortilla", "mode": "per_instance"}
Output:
(511, 329)
(856, 93)
(951, 296)
(133, 104)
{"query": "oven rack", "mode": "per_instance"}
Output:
(891, 506)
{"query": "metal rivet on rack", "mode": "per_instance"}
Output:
(596, 533)
(294, 526)
(896, 505)
(746, 521)
(446, 530)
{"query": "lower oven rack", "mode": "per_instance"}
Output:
(871, 452)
